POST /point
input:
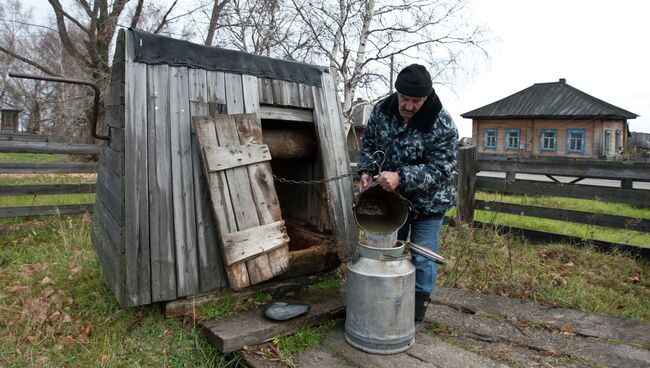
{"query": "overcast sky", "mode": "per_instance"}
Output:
(600, 47)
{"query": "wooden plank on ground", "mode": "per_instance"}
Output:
(136, 188)
(212, 273)
(161, 216)
(251, 328)
(275, 288)
(187, 282)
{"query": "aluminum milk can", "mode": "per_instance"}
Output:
(380, 299)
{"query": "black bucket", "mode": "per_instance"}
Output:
(380, 213)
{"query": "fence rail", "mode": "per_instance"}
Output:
(34, 144)
(49, 147)
(616, 170)
(627, 172)
(533, 188)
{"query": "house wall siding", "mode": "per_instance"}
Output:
(613, 126)
(530, 136)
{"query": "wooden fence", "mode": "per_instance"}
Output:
(627, 173)
(34, 144)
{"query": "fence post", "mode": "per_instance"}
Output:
(467, 167)
(626, 183)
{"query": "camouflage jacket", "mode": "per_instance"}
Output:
(422, 151)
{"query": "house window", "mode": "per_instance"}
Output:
(490, 138)
(608, 141)
(575, 141)
(549, 140)
(619, 144)
(512, 139)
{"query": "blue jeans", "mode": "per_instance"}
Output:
(424, 231)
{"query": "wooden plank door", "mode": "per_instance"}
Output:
(251, 231)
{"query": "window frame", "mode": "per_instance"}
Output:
(582, 140)
(618, 140)
(541, 140)
(608, 141)
(485, 138)
(507, 140)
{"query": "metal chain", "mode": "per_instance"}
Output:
(327, 180)
(308, 182)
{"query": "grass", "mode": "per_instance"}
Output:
(302, 339)
(56, 310)
(33, 157)
(331, 283)
(42, 179)
(559, 274)
(621, 236)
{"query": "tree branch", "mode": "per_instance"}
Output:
(136, 14)
(36, 65)
(59, 10)
(164, 20)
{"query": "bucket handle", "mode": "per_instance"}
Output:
(426, 253)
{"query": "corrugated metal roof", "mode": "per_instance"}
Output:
(555, 100)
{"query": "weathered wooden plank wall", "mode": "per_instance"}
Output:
(136, 185)
(161, 221)
(333, 150)
(154, 234)
(211, 271)
(187, 282)
(108, 223)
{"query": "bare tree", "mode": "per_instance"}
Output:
(77, 45)
(359, 38)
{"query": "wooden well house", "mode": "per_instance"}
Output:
(168, 224)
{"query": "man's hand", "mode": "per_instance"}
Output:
(388, 180)
(365, 182)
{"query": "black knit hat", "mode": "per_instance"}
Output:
(414, 81)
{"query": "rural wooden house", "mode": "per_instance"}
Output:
(552, 120)
(170, 223)
(9, 119)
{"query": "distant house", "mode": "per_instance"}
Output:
(550, 119)
(359, 120)
(9, 119)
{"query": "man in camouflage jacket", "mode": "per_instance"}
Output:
(419, 140)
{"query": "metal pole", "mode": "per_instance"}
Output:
(72, 81)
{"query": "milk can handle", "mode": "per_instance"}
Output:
(425, 252)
